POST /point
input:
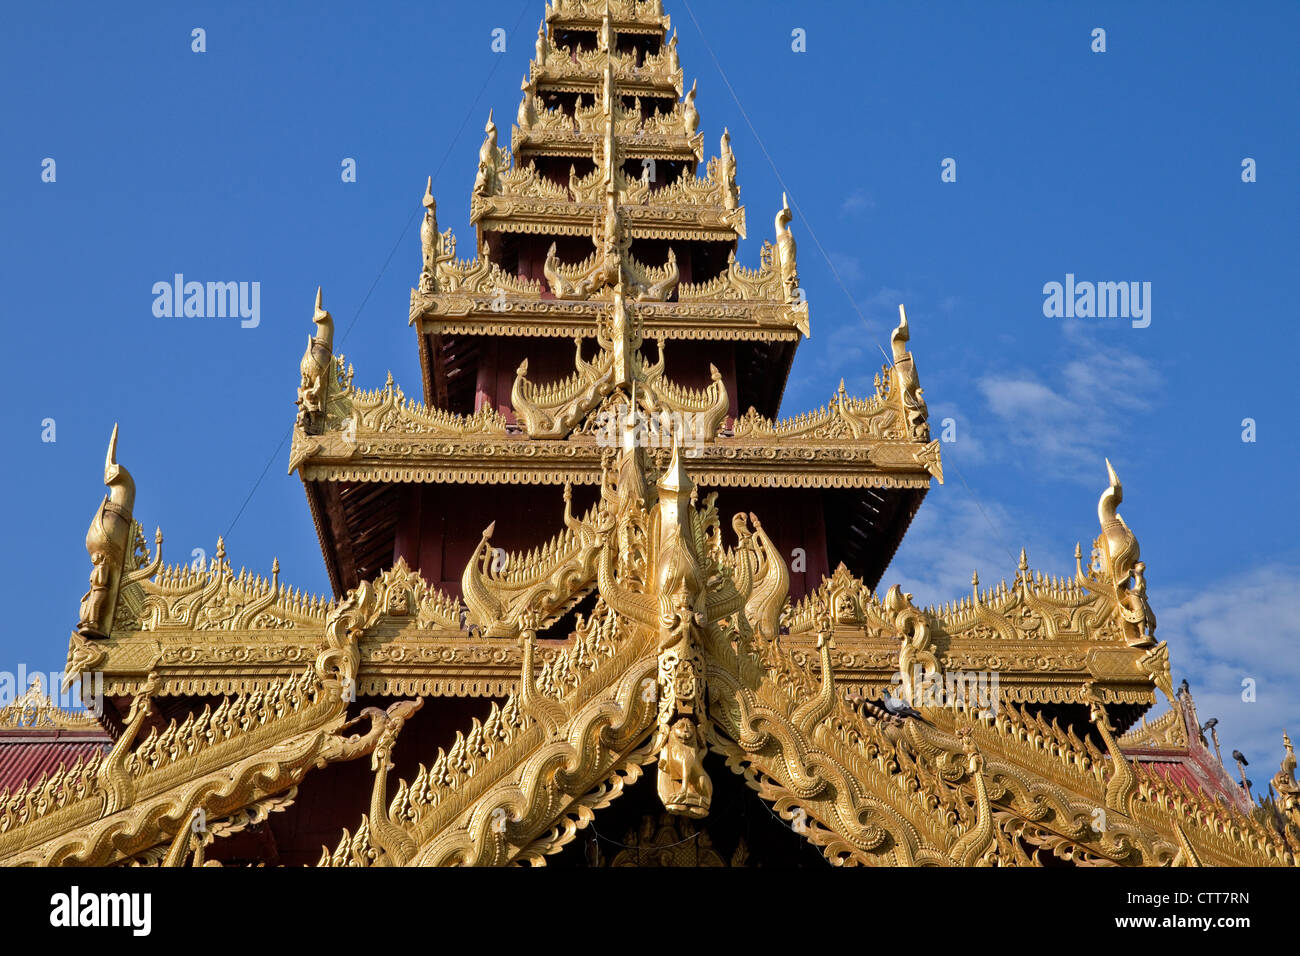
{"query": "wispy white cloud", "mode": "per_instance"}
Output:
(951, 424)
(1066, 423)
(1246, 627)
(858, 201)
(848, 268)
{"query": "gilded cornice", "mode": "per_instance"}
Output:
(561, 217)
(553, 132)
(648, 143)
(881, 417)
(383, 436)
(723, 464)
(626, 16)
(213, 632)
(1044, 636)
(718, 311)
(352, 415)
(583, 71)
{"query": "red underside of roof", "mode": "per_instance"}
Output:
(27, 754)
(1206, 778)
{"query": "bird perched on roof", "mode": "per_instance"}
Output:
(1236, 755)
(898, 706)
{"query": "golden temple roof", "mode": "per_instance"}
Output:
(645, 634)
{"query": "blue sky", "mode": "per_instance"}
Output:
(1115, 166)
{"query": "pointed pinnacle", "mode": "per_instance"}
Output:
(111, 459)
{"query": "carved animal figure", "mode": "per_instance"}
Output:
(684, 787)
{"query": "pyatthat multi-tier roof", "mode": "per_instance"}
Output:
(536, 587)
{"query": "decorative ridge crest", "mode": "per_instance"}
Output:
(34, 709)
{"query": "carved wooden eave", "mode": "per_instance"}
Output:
(638, 133)
(243, 753)
(558, 141)
(561, 217)
(867, 788)
(484, 312)
(626, 16)
(643, 635)
(878, 442)
(1043, 636)
(903, 792)
(407, 661)
(217, 632)
(586, 75)
(942, 786)
(723, 464)
(474, 297)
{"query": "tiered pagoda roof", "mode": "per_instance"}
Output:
(538, 598)
(605, 275)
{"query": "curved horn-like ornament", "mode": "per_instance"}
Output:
(485, 608)
(545, 710)
(119, 481)
(813, 711)
(1121, 544)
(771, 589)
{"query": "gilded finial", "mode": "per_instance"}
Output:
(428, 195)
(690, 115)
(785, 251)
(675, 477)
(110, 459)
(108, 542)
(901, 336)
(314, 369)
